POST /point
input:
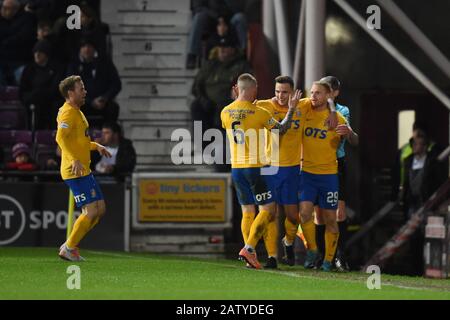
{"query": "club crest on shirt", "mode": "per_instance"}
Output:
(93, 193)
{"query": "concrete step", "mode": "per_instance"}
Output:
(139, 103)
(155, 146)
(148, 59)
(140, 131)
(156, 116)
(156, 87)
(148, 30)
(149, 44)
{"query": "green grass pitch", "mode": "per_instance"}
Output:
(38, 273)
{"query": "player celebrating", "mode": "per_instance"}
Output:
(347, 132)
(288, 162)
(240, 119)
(73, 138)
(318, 179)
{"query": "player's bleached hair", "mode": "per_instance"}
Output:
(285, 79)
(68, 84)
(324, 84)
(245, 81)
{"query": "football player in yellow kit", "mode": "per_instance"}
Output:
(245, 123)
(319, 176)
(73, 138)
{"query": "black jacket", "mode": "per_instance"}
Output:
(100, 77)
(125, 159)
(39, 85)
(435, 174)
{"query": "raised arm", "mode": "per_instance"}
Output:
(284, 125)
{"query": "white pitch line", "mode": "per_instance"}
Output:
(284, 273)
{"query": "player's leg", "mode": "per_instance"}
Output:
(309, 232)
(101, 210)
(340, 259)
(331, 238)
(248, 216)
(308, 196)
(289, 200)
(262, 191)
(245, 198)
(328, 203)
(291, 223)
(319, 221)
(270, 237)
(89, 197)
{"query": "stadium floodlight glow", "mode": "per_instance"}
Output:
(336, 32)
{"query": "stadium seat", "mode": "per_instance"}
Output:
(12, 115)
(11, 137)
(9, 94)
(8, 138)
(45, 137)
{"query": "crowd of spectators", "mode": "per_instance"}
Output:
(38, 50)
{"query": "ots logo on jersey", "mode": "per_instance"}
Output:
(296, 124)
(315, 133)
(81, 197)
(264, 196)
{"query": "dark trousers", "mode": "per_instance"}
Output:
(96, 118)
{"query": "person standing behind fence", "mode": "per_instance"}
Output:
(73, 138)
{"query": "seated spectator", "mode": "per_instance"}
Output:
(17, 32)
(212, 84)
(101, 81)
(91, 27)
(123, 158)
(222, 30)
(205, 12)
(39, 86)
(22, 158)
(54, 162)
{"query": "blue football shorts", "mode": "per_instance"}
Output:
(252, 187)
(85, 190)
(320, 189)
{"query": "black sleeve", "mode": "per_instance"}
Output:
(114, 80)
(126, 157)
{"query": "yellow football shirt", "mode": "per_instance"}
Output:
(289, 145)
(73, 138)
(320, 143)
(245, 124)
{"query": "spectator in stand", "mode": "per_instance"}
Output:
(91, 27)
(213, 83)
(222, 30)
(44, 30)
(205, 12)
(398, 172)
(22, 158)
(123, 158)
(101, 81)
(39, 86)
(17, 35)
(423, 173)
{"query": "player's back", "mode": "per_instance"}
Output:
(245, 123)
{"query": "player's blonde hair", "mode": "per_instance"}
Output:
(245, 81)
(68, 84)
(324, 84)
